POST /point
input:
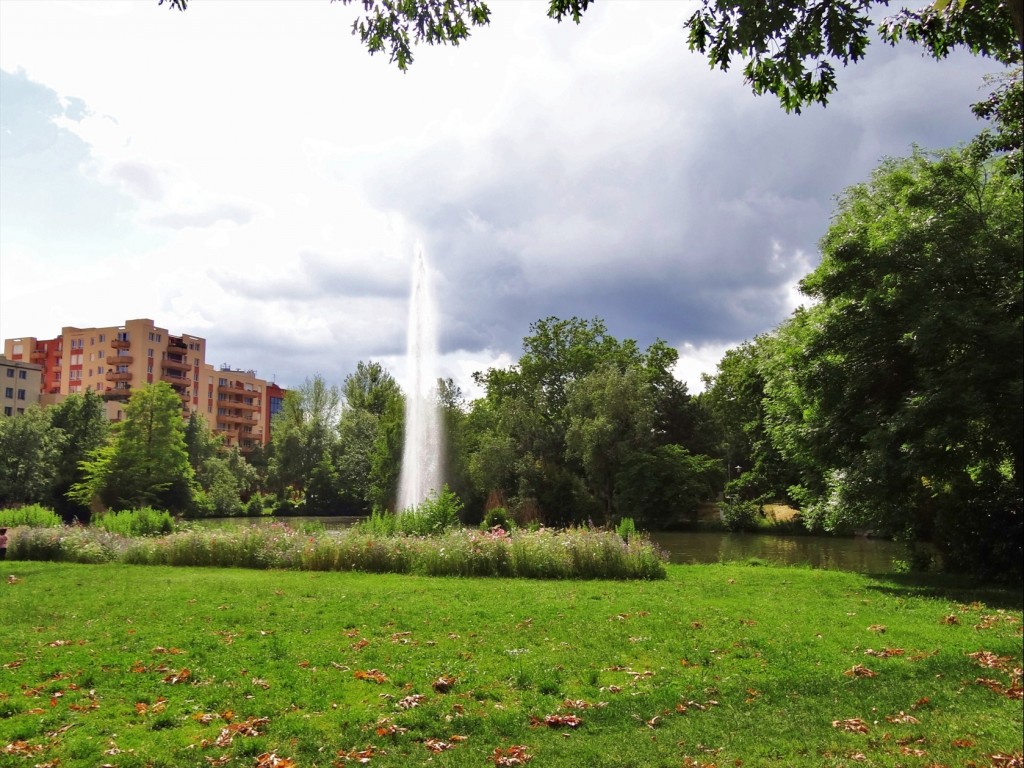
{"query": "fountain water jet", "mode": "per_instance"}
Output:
(423, 450)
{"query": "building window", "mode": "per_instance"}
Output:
(101, 354)
(22, 374)
(99, 370)
(9, 392)
(149, 353)
(8, 411)
(21, 394)
(10, 373)
(103, 337)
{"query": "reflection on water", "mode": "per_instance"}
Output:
(855, 554)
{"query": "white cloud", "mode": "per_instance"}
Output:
(247, 172)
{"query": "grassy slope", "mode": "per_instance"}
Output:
(770, 646)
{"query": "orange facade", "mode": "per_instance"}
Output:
(116, 360)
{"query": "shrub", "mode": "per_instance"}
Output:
(34, 515)
(739, 515)
(497, 517)
(626, 528)
(136, 522)
(256, 506)
(437, 514)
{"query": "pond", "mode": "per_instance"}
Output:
(857, 554)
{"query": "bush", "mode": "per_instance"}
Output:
(135, 522)
(497, 517)
(437, 514)
(256, 506)
(739, 515)
(33, 515)
(626, 528)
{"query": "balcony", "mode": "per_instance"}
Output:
(232, 418)
(235, 389)
(117, 394)
(175, 365)
(120, 343)
(120, 360)
(119, 376)
(38, 355)
(178, 382)
(238, 404)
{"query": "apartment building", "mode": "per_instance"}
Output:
(20, 384)
(115, 360)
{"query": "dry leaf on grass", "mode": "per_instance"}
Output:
(851, 724)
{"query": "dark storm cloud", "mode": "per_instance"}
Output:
(675, 207)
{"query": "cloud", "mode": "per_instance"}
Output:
(204, 217)
(266, 191)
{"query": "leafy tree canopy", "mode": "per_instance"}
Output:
(788, 48)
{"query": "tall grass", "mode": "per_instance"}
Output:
(543, 554)
(31, 514)
(135, 522)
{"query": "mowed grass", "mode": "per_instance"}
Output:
(720, 665)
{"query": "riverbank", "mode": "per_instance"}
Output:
(713, 665)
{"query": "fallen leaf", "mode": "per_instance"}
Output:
(999, 760)
(411, 701)
(962, 743)
(990, 660)
(885, 653)
(852, 724)
(879, 628)
(374, 675)
(859, 670)
(557, 721)
(180, 676)
(902, 717)
(361, 756)
(271, 760)
(510, 756)
(436, 745)
(951, 620)
(913, 752)
(22, 749)
(444, 683)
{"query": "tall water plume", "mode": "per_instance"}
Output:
(423, 450)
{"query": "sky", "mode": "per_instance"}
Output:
(248, 173)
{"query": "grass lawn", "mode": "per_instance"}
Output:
(716, 665)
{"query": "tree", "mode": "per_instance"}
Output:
(911, 384)
(146, 461)
(610, 417)
(304, 435)
(30, 452)
(789, 48)
(83, 420)
(555, 431)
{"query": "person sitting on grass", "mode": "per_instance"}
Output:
(3, 543)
